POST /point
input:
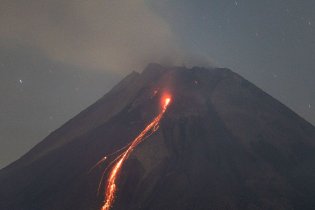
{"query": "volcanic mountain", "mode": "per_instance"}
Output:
(222, 144)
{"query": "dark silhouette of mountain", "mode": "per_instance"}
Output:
(222, 144)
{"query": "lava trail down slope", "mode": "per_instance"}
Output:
(113, 175)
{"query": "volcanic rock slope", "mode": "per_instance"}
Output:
(222, 144)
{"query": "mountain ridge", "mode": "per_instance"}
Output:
(222, 144)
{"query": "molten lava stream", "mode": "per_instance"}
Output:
(118, 162)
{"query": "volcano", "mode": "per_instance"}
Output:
(222, 143)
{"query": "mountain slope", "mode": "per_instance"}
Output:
(222, 144)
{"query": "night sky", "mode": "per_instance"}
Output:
(58, 57)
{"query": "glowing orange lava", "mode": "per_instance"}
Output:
(111, 186)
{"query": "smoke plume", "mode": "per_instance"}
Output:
(120, 35)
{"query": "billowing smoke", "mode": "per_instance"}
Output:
(114, 35)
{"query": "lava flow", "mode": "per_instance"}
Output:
(111, 186)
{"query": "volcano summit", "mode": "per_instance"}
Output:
(222, 143)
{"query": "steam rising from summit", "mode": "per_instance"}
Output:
(113, 35)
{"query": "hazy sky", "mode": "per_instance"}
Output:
(57, 57)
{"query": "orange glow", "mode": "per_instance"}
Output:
(165, 99)
(111, 186)
(166, 102)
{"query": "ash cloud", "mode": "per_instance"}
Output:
(120, 35)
